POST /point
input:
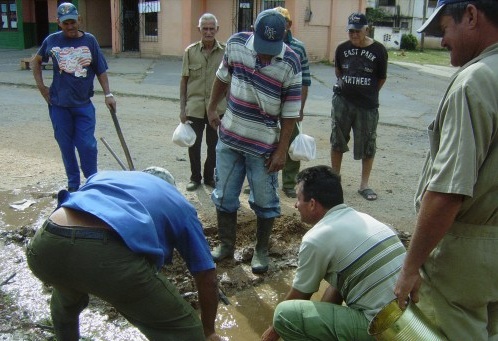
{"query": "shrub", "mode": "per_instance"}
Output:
(408, 42)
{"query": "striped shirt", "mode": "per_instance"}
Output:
(259, 95)
(298, 47)
(354, 253)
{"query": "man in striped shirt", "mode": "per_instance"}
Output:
(358, 256)
(263, 78)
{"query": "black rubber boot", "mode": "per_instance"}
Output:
(260, 259)
(227, 225)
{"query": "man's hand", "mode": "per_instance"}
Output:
(213, 119)
(270, 335)
(110, 103)
(45, 92)
(276, 161)
(407, 286)
(301, 115)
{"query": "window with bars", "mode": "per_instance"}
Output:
(148, 14)
(8, 15)
(272, 4)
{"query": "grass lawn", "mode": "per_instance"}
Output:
(428, 56)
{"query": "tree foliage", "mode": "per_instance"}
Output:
(376, 15)
(408, 42)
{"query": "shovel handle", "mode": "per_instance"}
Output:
(122, 140)
(112, 153)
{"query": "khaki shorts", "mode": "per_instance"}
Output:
(347, 116)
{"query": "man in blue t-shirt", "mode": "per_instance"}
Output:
(110, 239)
(77, 59)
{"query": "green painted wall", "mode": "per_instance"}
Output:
(53, 27)
(14, 39)
(25, 36)
(29, 34)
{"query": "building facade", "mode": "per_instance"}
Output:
(402, 17)
(157, 28)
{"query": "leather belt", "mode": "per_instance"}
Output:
(81, 233)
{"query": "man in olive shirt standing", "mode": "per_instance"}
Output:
(200, 62)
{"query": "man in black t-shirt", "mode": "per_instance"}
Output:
(361, 70)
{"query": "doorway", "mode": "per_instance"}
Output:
(131, 25)
(245, 15)
(41, 19)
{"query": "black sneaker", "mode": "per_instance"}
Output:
(210, 183)
(72, 189)
(193, 185)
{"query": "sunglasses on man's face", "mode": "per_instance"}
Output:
(354, 31)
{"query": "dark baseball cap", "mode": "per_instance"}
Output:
(357, 21)
(67, 11)
(431, 25)
(269, 31)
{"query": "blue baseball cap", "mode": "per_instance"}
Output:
(431, 25)
(269, 31)
(67, 11)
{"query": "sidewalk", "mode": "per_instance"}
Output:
(160, 78)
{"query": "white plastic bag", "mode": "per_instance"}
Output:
(303, 148)
(184, 135)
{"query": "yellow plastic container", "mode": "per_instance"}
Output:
(394, 324)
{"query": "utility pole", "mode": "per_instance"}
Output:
(424, 18)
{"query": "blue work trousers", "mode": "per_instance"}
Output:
(74, 128)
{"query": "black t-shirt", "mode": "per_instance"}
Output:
(361, 69)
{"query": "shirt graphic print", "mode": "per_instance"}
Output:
(73, 60)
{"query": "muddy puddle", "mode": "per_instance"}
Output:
(24, 300)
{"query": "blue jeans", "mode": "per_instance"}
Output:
(75, 128)
(231, 168)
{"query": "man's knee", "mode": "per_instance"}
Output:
(285, 317)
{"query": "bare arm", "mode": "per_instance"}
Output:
(35, 64)
(381, 83)
(338, 73)
(218, 91)
(110, 102)
(332, 295)
(183, 99)
(437, 214)
(207, 287)
(276, 161)
(270, 334)
(304, 97)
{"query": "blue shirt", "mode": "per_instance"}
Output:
(76, 62)
(151, 216)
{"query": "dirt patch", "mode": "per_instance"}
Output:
(32, 170)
